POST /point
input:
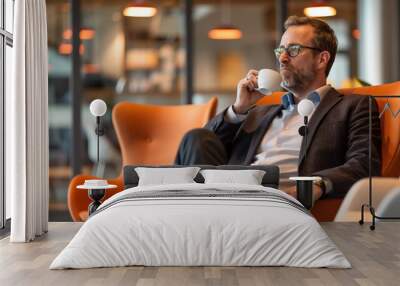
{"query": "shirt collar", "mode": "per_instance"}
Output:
(315, 96)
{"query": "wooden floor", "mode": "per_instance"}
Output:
(374, 255)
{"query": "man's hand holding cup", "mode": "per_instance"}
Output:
(255, 85)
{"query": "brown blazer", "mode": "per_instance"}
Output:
(337, 147)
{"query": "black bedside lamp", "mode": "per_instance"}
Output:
(305, 184)
(98, 108)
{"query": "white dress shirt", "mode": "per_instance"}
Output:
(281, 143)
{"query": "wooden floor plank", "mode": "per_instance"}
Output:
(374, 255)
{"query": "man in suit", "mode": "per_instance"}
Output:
(337, 145)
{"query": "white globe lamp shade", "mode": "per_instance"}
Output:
(98, 107)
(306, 107)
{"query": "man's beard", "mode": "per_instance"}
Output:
(297, 81)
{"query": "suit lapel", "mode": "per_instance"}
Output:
(329, 100)
(260, 131)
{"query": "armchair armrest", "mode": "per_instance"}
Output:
(350, 209)
(78, 200)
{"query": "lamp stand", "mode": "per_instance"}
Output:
(99, 132)
(369, 205)
(305, 135)
(303, 131)
(304, 186)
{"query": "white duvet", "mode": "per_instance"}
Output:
(188, 231)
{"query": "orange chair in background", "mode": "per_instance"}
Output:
(148, 135)
(325, 210)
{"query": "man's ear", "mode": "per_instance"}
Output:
(324, 58)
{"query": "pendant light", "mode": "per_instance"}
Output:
(225, 31)
(66, 49)
(140, 8)
(319, 8)
(84, 34)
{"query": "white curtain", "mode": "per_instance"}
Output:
(27, 124)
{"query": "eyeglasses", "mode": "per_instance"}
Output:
(293, 50)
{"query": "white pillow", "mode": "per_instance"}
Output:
(248, 177)
(164, 176)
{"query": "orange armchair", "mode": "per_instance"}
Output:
(148, 135)
(325, 210)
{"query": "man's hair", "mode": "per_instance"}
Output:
(324, 37)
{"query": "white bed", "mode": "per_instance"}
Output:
(222, 225)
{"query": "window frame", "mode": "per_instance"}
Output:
(6, 39)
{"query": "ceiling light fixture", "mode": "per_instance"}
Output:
(66, 49)
(225, 31)
(140, 9)
(356, 34)
(320, 9)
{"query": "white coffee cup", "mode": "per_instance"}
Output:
(268, 81)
